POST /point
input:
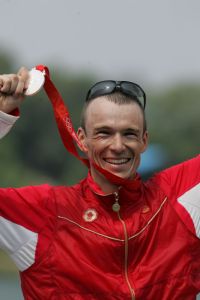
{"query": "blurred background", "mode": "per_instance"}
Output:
(154, 43)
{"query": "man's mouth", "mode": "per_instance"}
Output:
(117, 161)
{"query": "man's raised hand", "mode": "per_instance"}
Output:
(12, 88)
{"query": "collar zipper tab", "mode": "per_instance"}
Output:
(116, 206)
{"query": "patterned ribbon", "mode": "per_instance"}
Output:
(67, 132)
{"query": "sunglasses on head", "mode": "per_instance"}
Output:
(110, 86)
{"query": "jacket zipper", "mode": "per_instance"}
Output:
(116, 208)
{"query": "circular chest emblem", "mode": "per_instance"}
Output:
(90, 215)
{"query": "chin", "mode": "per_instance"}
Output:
(124, 175)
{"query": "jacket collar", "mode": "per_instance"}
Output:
(131, 185)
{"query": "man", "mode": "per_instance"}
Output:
(111, 236)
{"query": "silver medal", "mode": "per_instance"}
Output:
(36, 82)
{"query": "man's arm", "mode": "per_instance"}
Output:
(12, 88)
(26, 218)
(181, 184)
(24, 212)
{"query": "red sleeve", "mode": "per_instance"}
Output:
(180, 178)
(27, 206)
(181, 185)
(15, 112)
(27, 220)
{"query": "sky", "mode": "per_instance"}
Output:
(153, 42)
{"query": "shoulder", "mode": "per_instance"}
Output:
(29, 193)
(68, 199)
(179, 178)
(73, 192)
(181, 184)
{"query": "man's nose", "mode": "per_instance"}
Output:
(117, 143)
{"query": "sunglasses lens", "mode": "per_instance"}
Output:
(133, 90)
(101, 88)
(107, 87)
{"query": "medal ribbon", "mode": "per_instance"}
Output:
(66, 129)
(62, 116)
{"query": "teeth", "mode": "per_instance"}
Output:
(117, 161)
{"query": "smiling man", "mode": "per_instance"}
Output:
(113, 135)
(111, 236)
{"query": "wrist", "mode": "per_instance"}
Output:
(9, 118)
(6, 122)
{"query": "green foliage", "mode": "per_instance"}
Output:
(174, 120)
(6, 62)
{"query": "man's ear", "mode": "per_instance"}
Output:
(82, 138)
(145, 141)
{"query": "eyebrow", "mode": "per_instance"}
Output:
(133, 130)
(102, 128)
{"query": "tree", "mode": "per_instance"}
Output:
(174, 120)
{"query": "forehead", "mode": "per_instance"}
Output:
(102, 112)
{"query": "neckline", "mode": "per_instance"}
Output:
(133, 185)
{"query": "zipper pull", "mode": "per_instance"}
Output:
(116, 206)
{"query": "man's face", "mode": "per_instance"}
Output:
(114, 136)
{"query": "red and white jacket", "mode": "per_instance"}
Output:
(68, 243)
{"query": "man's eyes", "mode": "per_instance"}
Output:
(131, 134)
(103, 133)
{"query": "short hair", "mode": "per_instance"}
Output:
(118, 98)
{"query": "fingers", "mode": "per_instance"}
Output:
(14, 84)
(9, 83)
(23, 73)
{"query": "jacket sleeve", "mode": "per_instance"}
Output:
(24, 213)
(181, 183)
(7, 121)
